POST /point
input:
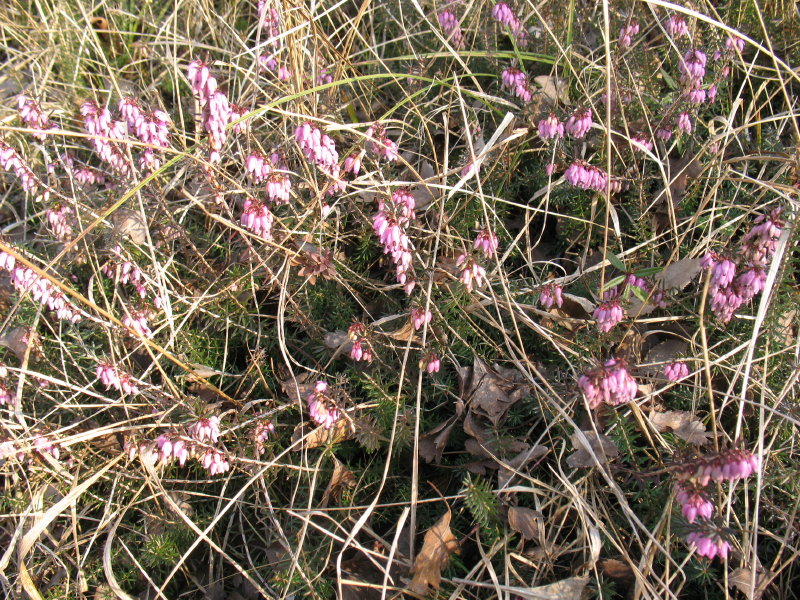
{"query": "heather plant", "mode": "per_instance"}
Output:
(429, 299)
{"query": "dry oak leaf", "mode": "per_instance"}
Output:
(509, 468)
(490, 392)
(433, 443)
(683, 424)
(437, 547)
(566, 589)
(341, 478)
(742, 578)
(304, 438)
(528, 522)
(130, 223)
(601, 446)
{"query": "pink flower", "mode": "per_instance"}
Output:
(263, 430)
(759, 244)
(502, 13)
(513, 78)
(352, 163)
(693, 67)
(257, 218)
(269, 19)
(32, 115)
(579, 123)
(203, 83)
(750, 283)
(676, 371)
(379, 144)
(676, 26)
(112, 377)
(626, 34)
(470, 272)
(205, 429)
(709, 546)
(551, 295)
(11, 161)
(420, 317)
(641, 142)
(170, 448)
(712, 93)
(728, 465)
(487, 242)
(451, 29)
(215, 462)
(607, 315)
(60, 218)
(550, 127)
(318, 148)
(321, 407)
(430, 363)
(694, 501)
(361, 349)
(722, 272)
(683, 123)
(586, 177)
(663, 134)
(734, 43)
(610, 383)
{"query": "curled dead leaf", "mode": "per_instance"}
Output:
(742, 579)
(433, 443)
(341, 478)
(303, 438)
(602, 447)
(527, 522)
(566, 589)
(437, 547)
(683, 424)
(490, 392)
(130, 223)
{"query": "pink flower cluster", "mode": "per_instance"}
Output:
(550, 127)
(45, 293)
(269, 20)
(503, 14)
(151, 128)
(641, 142)
(263, 430)
(517, 81)
(727, 465)
(5, 396)
(320, 149)
(32, 115)
(694, 501)
(84, 175)
(361, 348)
(589, 177)
(691, 491)
(734, 44)
(257, 218)
(708, 544)
(106, 134)
(205, 429)
(610, 383)
(112, 377)
(420, 317)
(430, 363)
(607, 314)
(60, 218)
(41, 444)
(321, 407)
(730, 289)
(676, 26)
(11, 161)
(171, 448)
(579, 123)
(626, 34)
(379, 144)
(551, 295)
(216, 110)
(270, 169)
(487, 242)
(451, 29)
(470, 272)
(683, 123)
(676, 371)
(389, 224)
(270, 63)
(137, 321)
(352, 163)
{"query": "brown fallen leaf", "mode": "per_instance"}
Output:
(679, 274)
(555, 89)
(683, 424)
(566, 589)
(341, 478)
(433, 443)
(490, 392)
(602, 446)
(507, 470)
(17, 341)
(742, 579)
(437, 547)
(130, 223)
(527, 522)
(621, 572)
(341, 430)
(405, 333)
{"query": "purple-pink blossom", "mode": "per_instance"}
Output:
(676, 26)
(609, 383)
(626, 34)
(608, 314)
(470, 272)
(420, 317)
(734, 43)
(694, 501)
(257, 217)
(205, 429)
(41, 290)
(550, 127)
(32, 115)
(263, 430)
(321, 407)
(683, 123)
(551, 295)
(487, 242)
(361, 349)
(112, 377)
(430, 363)
(579, 123)
(708, 545)
(676, 371)
(451, 29)
(378, 143)
(587, 177)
